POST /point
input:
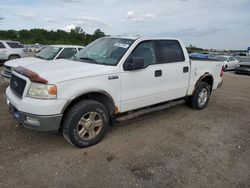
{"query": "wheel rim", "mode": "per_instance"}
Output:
(203, 96)
(90, 125)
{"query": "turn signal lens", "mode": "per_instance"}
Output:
(52, 90)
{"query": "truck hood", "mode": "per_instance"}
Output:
(23, 61)
(63, 70)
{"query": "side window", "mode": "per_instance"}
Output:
(169, 51)
(67, 53)
(14, 45)
(1, 45)
(145, 50)
(79, 49)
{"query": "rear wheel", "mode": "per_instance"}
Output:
(201, 96)
(11, 57)
(86, 123)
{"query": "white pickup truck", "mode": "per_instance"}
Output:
(111, 76)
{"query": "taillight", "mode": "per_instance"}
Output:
(222, 71)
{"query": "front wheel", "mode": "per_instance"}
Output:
(86, 123)
(201, 96)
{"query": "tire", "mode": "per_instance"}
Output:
(11, 57)
(201, 97)
(86, 123)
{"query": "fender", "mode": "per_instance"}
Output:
(203, 77)
(85, 93)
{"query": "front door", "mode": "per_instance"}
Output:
(140, 88)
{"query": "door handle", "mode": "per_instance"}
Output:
(185, 69)
(158, 73)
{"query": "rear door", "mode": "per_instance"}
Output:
(175, 68)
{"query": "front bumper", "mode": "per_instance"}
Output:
(42, 115)
(36, 122)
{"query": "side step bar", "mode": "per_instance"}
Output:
(144, 111)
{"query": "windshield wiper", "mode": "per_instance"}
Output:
(89, 59)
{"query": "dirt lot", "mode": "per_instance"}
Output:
(176, 147)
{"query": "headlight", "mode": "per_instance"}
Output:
(42, 91)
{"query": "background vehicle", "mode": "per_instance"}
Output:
(229, 61)
(243, 67)
(108, 78)
(49, 53)
(11, 50)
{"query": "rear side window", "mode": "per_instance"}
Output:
(169, 51)
(1, 45)
(14, 45)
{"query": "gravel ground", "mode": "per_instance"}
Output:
(176, 147)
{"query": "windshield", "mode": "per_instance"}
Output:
(48, 53)
(220, 58)
(107, 51)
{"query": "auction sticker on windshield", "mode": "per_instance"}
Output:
(121, 45)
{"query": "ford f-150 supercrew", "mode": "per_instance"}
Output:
(83, 96)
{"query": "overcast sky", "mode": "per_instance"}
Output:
(221, 24)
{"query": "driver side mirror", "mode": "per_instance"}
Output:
(134, 63)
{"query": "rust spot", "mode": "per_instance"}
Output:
(117, 110)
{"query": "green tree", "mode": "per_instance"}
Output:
(98, 33)
(76, 36)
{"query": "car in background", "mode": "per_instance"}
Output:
(11, 50)
(37, 48)
(243, 67)
(51, 52)
(229, 61)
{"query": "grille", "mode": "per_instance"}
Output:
(17, 85)
(245, 66)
